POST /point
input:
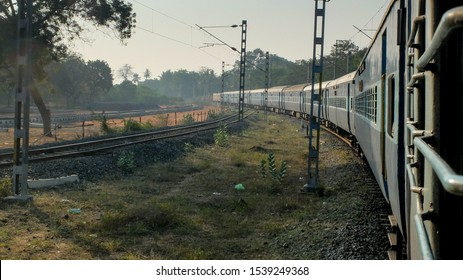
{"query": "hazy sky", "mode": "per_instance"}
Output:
(167, 37)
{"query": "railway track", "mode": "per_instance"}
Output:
(6, 120)
(107, 144)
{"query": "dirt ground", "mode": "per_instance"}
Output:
(78, 130)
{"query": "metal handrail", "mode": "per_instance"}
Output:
(423, 238)
(451, 20)
(415, 78)
(452, 182)
(416, 23)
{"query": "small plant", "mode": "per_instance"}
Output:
(132, 125)
(188, 119)
(162, 120)
(221, 137)
(277, 174)
(263, 169)
(126, 161)
(148, 125)
(188, 147)
(104, 124)
(213, 115)
(5, 187)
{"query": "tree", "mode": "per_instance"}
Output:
(100, 78)
(147, 74)
(77, 81)
(340, 59)
(136, 78)
(125, 72)
(7, 84)
(69, 79)
(54, 24)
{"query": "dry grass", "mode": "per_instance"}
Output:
(186, 209)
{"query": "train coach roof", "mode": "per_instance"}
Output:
(277, 89)
(231, 92)
(346, 78)
(308, 87)
(295, 88)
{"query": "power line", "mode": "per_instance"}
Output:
(170, 38)
(218, 39)
(163, 14)
(178, 41)
(360, 30)
(165, 37)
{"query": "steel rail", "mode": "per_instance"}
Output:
(89, 147)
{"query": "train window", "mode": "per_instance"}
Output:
(361, 86)
(365, 104)
(390, 105)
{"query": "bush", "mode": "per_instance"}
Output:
(213, 115)
(126, 162)
(276, 174)
(104, 124)
(188, 119)
(5, 187)
(132, 125)
(221, 137)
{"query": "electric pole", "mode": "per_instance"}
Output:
(242, 70)
(22, 102)
(314, 117)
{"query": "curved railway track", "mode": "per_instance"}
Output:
(102, 145)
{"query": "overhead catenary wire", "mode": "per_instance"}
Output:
(163, 14)
(179, 41)
(218, 39)
(360, 30)
(200, 48)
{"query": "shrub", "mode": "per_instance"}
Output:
(221, 137)
(5, 187)
(162, 120)
(126, 161)
(277, 174)
(213, 115)
(132, 125)
(188, 147)
(188, 119)
(104, 124)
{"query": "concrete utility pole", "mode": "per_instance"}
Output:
(22, 102)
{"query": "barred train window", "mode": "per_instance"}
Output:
(338, 102)
(365, 104)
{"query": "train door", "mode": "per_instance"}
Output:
(348, 108)
(281, 104)
(302, 101)
(383, 111)
(326, 95)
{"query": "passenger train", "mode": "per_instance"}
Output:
(403, 111)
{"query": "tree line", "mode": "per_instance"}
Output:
(75, 83)
(344, 58)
